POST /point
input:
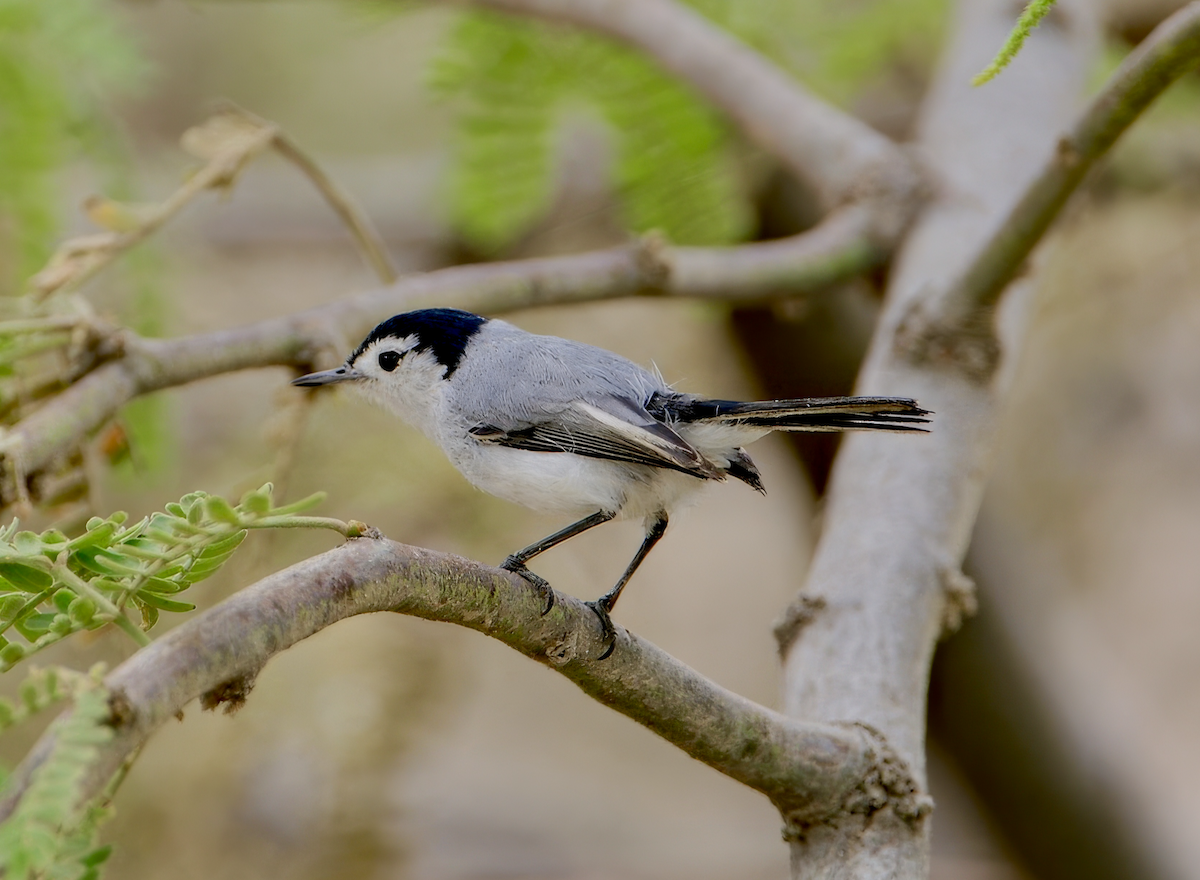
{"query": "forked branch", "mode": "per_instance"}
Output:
(957, 325)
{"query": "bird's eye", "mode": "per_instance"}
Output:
(389, 360)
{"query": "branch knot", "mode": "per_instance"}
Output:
(960, 598)
(887, 784)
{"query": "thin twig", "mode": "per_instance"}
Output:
(365, 235)
(80, 259)
(227, 142)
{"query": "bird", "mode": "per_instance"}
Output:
(567, 428)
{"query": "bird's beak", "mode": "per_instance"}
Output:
(328, 377)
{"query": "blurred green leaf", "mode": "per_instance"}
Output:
(675, 167)
(24, 576)
(58, 62)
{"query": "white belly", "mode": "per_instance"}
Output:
(553, 482)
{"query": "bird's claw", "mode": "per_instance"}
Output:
(607, 631)
(540, 585)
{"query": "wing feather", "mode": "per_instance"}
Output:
(612, 428)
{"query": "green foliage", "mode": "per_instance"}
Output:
(58, 61)
(52, 586)
(1031, 16)
(50, 835)
(675, 167)
(518, 79)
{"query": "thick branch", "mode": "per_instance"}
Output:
(839, 155)
(957, 326)
(841, 247)
(811, 771)
(899, 514)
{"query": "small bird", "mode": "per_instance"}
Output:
(564, 427)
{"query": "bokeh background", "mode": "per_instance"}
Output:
(1063, 718)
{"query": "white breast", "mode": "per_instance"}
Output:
(551, 482)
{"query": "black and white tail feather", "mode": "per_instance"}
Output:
(798, 414)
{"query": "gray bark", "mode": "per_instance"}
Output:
(900, 513)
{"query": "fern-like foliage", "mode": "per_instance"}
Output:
(1030, 18)
(52, 586)
(49, 835)
(58, 61)
(675, 167)
(517, 79)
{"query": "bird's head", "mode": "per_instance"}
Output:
(404, 360)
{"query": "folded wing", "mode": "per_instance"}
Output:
(612, 428)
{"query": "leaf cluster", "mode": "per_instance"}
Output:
(517, 82)
(675, 164)
(52, 586)
(49, 835)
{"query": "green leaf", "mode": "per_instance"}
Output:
(225, 546)
(24, 575)
(218, 508)
(96, 857)
(257, 502)
(10, 606)
(95, 560)
(518, 79)
(154, 600)
(300, 506)
(98, 535)
(54, 537)
(62, 624)
(12, 653)
(82, 610)
(28, 543)
(149, 616)
(34, 625)
(161, 585)
(1030, 18)
(49, 834)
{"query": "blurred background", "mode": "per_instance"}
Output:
(1063, 717)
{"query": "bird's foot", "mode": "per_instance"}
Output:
(607, 631)
(540, 585)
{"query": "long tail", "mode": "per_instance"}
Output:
(802, 414)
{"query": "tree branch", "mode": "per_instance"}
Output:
(841, 247)
(957, 326)
(898, 515)
(228, 141)
(810, 771)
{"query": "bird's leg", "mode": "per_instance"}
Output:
(517, 562)
(602, 606)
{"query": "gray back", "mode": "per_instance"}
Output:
(512, 379)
